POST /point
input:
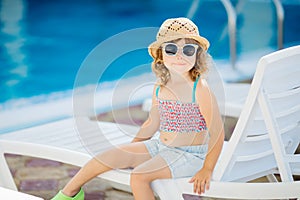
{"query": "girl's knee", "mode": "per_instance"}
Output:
(139, 178)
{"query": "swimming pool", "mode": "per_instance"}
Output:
(43, 43)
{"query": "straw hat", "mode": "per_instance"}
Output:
(175, 28)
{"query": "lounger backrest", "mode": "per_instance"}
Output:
(267, 133)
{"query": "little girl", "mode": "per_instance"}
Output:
(185, 113)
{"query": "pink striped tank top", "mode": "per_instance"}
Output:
(176, 116)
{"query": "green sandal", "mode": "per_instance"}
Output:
(61, 196)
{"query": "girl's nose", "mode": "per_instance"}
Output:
(179, 55)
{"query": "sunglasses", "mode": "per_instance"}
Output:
(171, 49)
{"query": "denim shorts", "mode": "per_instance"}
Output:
(184, 161)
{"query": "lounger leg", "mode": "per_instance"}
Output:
(272, 178)
(6, 178)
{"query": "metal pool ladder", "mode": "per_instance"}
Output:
(231, 15)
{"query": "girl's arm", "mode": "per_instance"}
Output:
(151, 125)
(210, 111)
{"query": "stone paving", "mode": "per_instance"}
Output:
(44, 178)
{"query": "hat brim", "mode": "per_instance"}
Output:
(155, 45)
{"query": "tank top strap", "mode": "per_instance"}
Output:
(157, 91)
(194, 89)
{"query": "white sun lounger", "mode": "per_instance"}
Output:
(10, 194)
(264, 141)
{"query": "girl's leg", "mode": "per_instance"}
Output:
(129, 155)
(144, 174)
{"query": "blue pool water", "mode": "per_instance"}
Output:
(43, 43)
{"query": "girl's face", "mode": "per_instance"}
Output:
(179, 57)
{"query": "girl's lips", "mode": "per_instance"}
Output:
(179, 63)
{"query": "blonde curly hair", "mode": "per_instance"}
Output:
(162, 72)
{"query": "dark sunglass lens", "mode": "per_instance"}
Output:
(189, 50)
(171, 49)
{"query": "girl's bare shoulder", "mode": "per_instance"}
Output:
(202, 86)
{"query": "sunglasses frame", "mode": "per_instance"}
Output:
(179, 47)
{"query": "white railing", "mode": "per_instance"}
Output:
(231, 14)
(280, 19)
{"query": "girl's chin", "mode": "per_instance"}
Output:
(179, 71)
(181, 68)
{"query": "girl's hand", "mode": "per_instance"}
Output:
(201, 180)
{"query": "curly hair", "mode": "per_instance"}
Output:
(200, 67)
